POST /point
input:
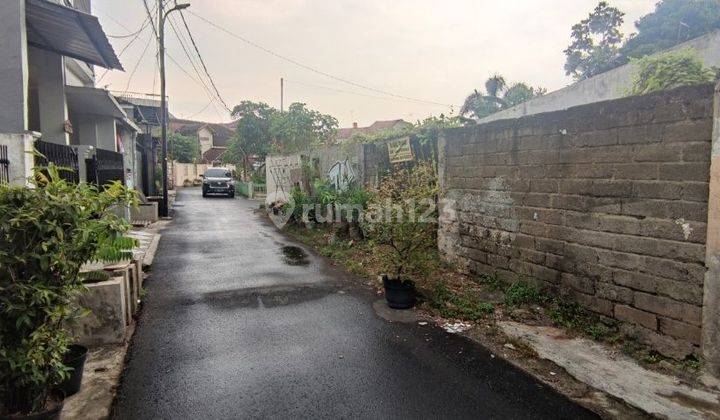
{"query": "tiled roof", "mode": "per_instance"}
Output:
(221, 132)
(213, 155)
(346, 133)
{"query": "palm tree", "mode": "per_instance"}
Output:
(499, 96)
(495, 85)
(479, 105)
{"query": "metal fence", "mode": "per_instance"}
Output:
(4, 164)
(62, 156)
(259, 189)
(105, 167)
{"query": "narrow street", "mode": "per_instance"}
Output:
(229, 329)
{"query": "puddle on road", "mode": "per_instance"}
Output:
(293, 255)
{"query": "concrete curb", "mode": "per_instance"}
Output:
(152, 248)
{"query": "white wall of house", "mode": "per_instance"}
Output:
(21, 160)
(106, 133)
(13, 68)
(96, 130)
(78, 73)
(86, 131)
(206, 139)
(48, 80)
(613, 84)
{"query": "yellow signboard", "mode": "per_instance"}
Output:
(399, 150)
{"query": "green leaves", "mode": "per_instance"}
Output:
(596, 43)
(669, 71)
(402, 216)
(672, 22)
(46, 234)
(183, 149)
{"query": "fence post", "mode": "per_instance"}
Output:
(251, 190)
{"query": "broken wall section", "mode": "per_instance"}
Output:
(607, 202)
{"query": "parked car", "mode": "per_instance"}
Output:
(218, 181)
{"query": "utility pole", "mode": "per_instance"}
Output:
(162, 16)
(282, 94)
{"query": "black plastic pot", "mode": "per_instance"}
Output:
(399, 294)
(74, 358)
(49, 414)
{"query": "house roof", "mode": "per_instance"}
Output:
(221, 132)
(213, 154)
(95, 101)
(346, 133)
(69, 32)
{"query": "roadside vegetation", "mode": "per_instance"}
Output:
(408, 250)
(47, 233)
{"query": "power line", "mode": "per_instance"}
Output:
(152, 19)
(207, 89)
(194, 80)
(197, 50)
(312, 85)
(125, 48)
(137, 64)
(312, 69)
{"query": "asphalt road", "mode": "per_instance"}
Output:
(230, 330)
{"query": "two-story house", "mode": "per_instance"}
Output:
(48, 98)
(213, 139)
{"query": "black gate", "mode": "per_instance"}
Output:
(105, 167)
(4, 164)
(62, 156)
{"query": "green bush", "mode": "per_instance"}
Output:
(402, 215)
(46, 234)
(327, 199)
(463, 306)
(521, 293)
(669, 71)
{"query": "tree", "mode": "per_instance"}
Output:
(669, 71)
(183, 149)
(521, 92)
(300, 128)
(479, 105)
(252, 135)
(596, 43)
(672, 22)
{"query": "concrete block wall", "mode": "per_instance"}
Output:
(607, 203)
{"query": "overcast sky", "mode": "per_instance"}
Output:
(437, 51)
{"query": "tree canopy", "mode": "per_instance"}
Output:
(300, 128)
(183, 149)
(672, 22)
(252, 135)
(598, 46)
(497, 96)
(262, 129)
(596, 43)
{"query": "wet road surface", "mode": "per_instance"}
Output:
(237, 325)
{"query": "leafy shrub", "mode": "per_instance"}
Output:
(462, 306)
(402, 216)
(350, 203)
(669, 71)
(46, 234)
(521, 293)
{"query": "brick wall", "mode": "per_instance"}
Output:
(605, 202)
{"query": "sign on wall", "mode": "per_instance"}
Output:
(399, 150)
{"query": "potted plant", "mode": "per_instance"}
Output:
(74, 359)
(46, 234)
(402, 218)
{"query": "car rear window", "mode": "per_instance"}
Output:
(217, 173)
